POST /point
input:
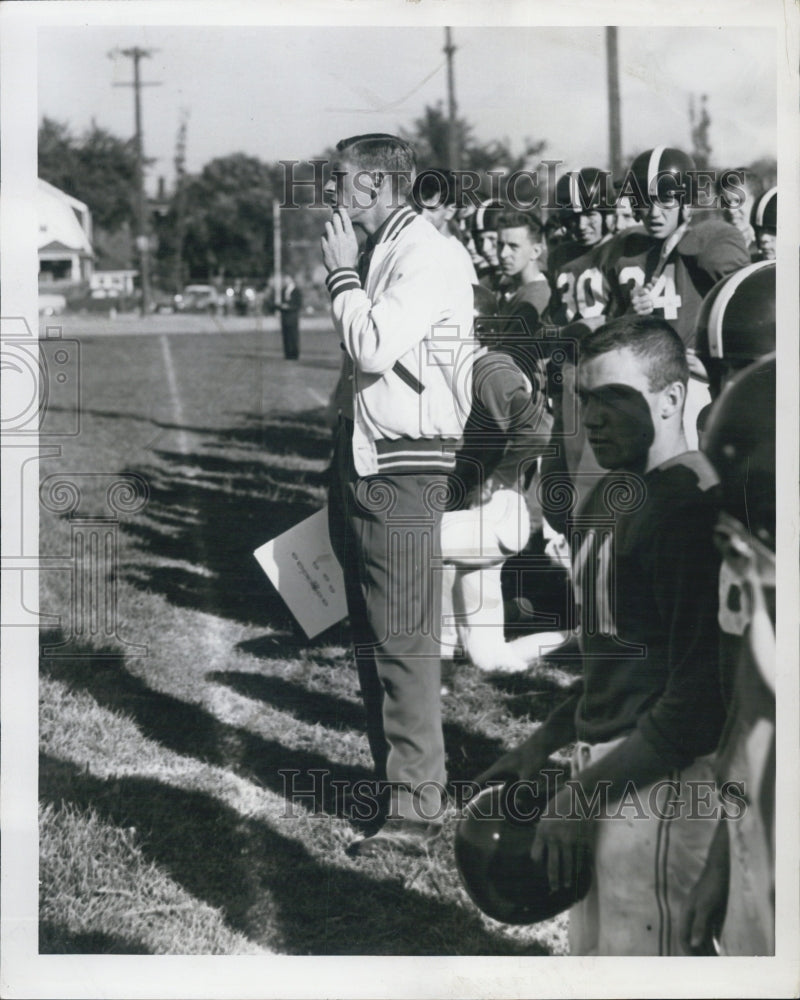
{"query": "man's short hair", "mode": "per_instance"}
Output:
(511, 218)
(650, 339)
(379, 151)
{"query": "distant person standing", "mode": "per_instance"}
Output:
(289, 303)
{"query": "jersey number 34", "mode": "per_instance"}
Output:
(663, 294)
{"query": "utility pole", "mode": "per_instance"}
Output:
(277, 244)
(453, 152)
(142, 241)
(180, 197)
(614, 120)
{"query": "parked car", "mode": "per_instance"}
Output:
(199, 298)
(161, 302)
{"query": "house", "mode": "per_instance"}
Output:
(65, 237)
(112, 284)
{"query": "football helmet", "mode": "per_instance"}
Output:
(660, 174)
(585, 190)
(736, 322)
(492, 849)
(486, 216)
(740, 443)
(765, 212)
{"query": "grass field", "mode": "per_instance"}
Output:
(165, 822)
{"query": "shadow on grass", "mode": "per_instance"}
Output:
(211, 511)
(534, 695)
(468, 752)
(266, 884)
(57, 940)
(190, 730)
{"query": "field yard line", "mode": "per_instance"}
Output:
(317, 396)
(177, 406)
(213, 633)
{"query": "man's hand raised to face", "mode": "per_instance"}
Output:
(339, 244)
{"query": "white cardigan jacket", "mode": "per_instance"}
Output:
(408, 335)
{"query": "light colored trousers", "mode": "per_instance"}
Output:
(475, 544)
(645, 863)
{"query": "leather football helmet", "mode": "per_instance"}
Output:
(492, 848)
(736, 322)
(585, 190)
(659, 174)
(486, 216)
(740, 443)
(765, 212)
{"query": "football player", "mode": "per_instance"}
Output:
(580, 287)
(484, 234)
(504, 435)
(624, 217)
(519, 247)
(433, 196)
(765, 224)
(736, 323)
(737, 204)
(648, 706)
(731, 909)
(668, 268)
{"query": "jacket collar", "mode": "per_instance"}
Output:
(392, 226)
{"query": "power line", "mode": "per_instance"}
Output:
(142, 243)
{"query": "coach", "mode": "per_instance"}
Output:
(403, 312)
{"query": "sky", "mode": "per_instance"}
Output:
(289, 92)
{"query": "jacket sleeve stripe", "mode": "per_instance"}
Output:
(343, 279)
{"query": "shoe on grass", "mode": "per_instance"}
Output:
(406, 836)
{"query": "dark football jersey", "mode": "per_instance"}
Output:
(581, 288)
(707, 251)
(646, 583)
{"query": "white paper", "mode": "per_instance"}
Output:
(305, 572)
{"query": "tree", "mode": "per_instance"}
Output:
(98, 168)
(700, 126)
(429, 137)
(228, 228)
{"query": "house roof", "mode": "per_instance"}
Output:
(58, 247)
(64, 222)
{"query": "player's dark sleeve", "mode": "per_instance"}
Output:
(527, 316)
(518, 413)
(559, 728)
(724, 250)
(555, 471)
(686, 721)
